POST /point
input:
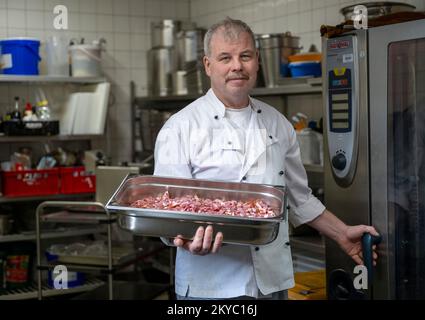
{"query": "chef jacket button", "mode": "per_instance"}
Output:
(281, 173)
(244, 178)
(270, 137)
(257, 249)
(259, 111)
(287, 243)
(216, 117)
(230, 142)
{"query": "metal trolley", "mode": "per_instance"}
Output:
(75, 212)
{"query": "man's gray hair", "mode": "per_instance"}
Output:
(231, 29)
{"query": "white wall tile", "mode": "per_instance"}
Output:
(35, 5)
(120, 7)
(138, 25)
(35, 19)
(104, 23)
(292, 6)
(137, 8)
(318, 18)
(122, 60)
(88, 22)
(16, 32)
(122, 41)
(104, 6)
(16, 4)
(16, 18)
(88, 6)
(3, 19)
(121, 24)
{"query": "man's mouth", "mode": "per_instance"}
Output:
(237, 78)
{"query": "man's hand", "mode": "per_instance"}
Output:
(351, 242)
(202, 243)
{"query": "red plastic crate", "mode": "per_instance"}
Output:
(76, 180)
(30, 182)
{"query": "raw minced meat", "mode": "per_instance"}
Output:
(189, 203)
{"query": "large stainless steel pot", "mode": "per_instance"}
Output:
(377, 9)
(161, 67)
(164, 32)
(274, 51)
(189, 47)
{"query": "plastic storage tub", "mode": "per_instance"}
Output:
(76, 180)
(20, 56)
(85, 60)
(305, 69)
(30, 182)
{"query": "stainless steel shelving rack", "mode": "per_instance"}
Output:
(44, 80)
(288, 87)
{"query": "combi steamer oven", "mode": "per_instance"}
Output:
(374, 100)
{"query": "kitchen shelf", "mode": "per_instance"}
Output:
(50, 79)
(290, 86)
(46, 197)
(30, 292)
(77, 217)
(26, 139)
(58, 233)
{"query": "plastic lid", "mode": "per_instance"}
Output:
(301, 63)
(85, 46)
(20, 39)
(305, 57)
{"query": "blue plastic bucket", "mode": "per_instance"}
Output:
(20, 56)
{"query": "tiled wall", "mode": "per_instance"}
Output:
(125, 24)
(301, 17)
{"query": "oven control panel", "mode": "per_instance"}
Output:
(341, 66)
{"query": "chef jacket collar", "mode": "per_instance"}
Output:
(219, 109)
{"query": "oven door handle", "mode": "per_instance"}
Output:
(368, 241)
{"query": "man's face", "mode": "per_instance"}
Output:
(232, 67)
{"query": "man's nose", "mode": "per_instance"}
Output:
(236, 64)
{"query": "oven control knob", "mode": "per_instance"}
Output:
(339, 161)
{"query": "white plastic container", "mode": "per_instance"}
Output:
(57, 56)
(311, 146)
(85, 60)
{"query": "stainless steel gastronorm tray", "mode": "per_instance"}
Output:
(167, 223)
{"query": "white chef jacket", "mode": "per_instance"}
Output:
(199, 142)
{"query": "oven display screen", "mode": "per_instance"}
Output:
(340, 100)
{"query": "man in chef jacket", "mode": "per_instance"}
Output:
(227, 135)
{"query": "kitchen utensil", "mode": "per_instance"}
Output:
(163, 33)
(274, 52)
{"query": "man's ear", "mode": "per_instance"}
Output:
(207, 64)
(258, 59)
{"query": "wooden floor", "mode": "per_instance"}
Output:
(309, 286)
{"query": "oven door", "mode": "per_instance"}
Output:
(397, 163)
